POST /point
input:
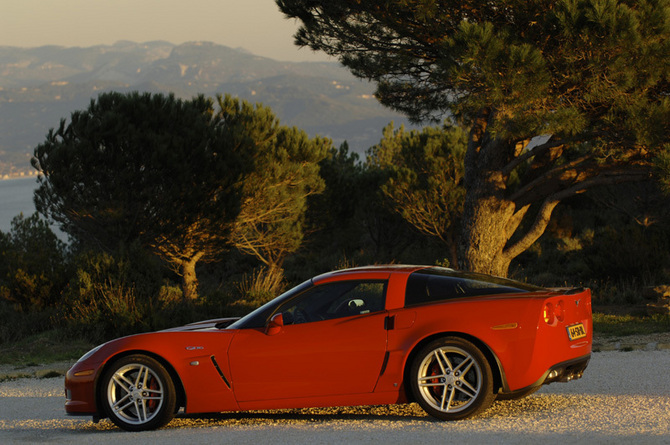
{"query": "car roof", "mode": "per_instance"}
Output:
(367, 271)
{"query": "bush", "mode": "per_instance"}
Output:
(112, 295)
(20, 324)
(33, 264)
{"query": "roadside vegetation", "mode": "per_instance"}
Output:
(544, 156)
(58, 299)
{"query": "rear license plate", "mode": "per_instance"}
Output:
(576, 331)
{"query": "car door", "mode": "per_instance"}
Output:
(333, 342)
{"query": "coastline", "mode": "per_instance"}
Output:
(19, 175)
(16, 197)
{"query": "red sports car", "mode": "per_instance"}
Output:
(451, 341)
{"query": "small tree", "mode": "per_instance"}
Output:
(148, 168)
(425, 182)
(33, 264)
(284, 172)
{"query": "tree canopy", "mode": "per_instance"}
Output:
(148, 168)
(32, 264)
(425, 179)
(180, 178)
(282, 174)
(589, 75)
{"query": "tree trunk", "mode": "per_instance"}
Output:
(189, 281)
(490, 217)
(487, 214)
(485, 235)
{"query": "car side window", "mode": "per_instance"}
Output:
(427, 286)
(335, 300)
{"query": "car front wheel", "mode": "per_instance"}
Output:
(451, 379)
(138, 394)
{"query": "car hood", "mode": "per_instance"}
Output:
(215, 323)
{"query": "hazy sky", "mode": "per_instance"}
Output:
(256, 25)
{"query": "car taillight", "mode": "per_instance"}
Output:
(559, 311)
(549, 313)
(554, 313)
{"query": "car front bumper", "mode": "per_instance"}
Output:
(80, 390)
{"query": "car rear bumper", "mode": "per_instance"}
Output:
(562, 372)
(566, 371)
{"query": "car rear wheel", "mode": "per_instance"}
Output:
(138, 394)
(451, 379)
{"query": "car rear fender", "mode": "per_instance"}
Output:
(176, 379)
(499, 380)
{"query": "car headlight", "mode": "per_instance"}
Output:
(90, 353)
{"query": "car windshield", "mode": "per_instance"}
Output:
(258, 317)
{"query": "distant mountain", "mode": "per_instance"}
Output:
(40, 86)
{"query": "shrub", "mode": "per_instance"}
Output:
(33, 264)
(112, 295)
(20, 324)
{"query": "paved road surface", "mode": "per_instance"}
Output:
(624, 397)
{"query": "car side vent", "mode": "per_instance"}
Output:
(218, 369)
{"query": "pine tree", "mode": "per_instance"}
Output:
(283, 174)
(143, 168)
(591, 76)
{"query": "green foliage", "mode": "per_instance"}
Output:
(335, 215)
(591, 74)
(143, 168)
(425, 174)
(113, 295)
(351, 222)
(622, 325)
(254, 290)
(181, 179)
(630, 250)
(543, 64)
(283, 172)
(662, 167)
(18, 324)
(102, 300)
(614, 240)
(41, 348)
(32, 264)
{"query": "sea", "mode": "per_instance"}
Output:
(16, 197)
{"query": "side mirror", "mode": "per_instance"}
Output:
(275, 324)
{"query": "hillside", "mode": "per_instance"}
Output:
(40, 86)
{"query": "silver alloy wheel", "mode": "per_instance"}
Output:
(135, 393)
(449, 379)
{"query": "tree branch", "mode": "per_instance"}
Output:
(535, 151)
(552, 175)
(544, 214)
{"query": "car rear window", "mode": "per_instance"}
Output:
(439, 284)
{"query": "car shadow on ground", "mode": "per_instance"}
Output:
(531, 406)
(403, 412)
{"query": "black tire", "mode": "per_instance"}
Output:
(137, 393)
(451, 379)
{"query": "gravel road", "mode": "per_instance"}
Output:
(624, 397)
